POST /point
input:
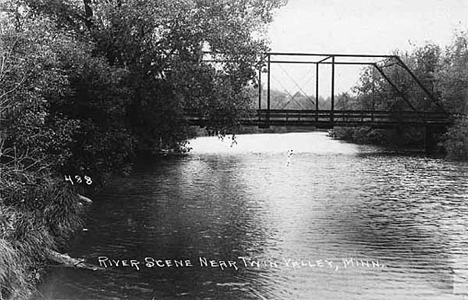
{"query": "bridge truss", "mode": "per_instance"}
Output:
(336, 117)
(434, 120)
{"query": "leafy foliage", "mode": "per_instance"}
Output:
(456, 140)
(452, 77)
(87, 86)
(444, 74)
(453, 83)
(374, 92)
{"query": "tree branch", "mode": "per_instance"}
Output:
(68, 261)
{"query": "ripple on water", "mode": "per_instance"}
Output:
(333, 201)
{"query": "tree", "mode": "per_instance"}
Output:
(31, 78)
(374, 92)
(162, 47)
(453, 83)
(84, 84)
(452, 77)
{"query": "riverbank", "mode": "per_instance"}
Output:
(401, 140)
(38, 216)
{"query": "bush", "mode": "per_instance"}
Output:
(362, 135)
(51, 209)
(342, 133)
(37, 214)
(456, 140)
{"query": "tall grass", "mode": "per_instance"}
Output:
(13, 279)
(37, 215)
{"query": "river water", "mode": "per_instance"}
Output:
(243, 221)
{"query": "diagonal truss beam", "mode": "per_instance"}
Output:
(402, 95)
(337, 59)
(433, 98)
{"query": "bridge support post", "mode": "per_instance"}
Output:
(429, 140)
(260, 88)
(317, 91)
(268, 91)
(373, 94)
(332, 90)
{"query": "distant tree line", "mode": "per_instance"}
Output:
(293, 101)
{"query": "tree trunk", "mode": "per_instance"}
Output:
(68, 261)
(88, 13)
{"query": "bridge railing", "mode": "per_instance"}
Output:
(329, 118)
(352, 116)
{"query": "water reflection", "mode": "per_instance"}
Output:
(333, 203)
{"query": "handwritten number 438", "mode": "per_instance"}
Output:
(78, 179)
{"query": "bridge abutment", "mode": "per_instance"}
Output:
(432, 136)
(429, 140)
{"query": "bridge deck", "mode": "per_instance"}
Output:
(345, 118)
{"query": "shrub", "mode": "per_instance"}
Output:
(48, 209)
(37, 214)
(362, 135)
(456, 140)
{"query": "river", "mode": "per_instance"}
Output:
(242, 220)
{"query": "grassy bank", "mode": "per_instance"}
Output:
(37, 215)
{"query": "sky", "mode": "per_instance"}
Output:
(358, 26)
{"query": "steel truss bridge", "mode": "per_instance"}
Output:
(436, 120)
